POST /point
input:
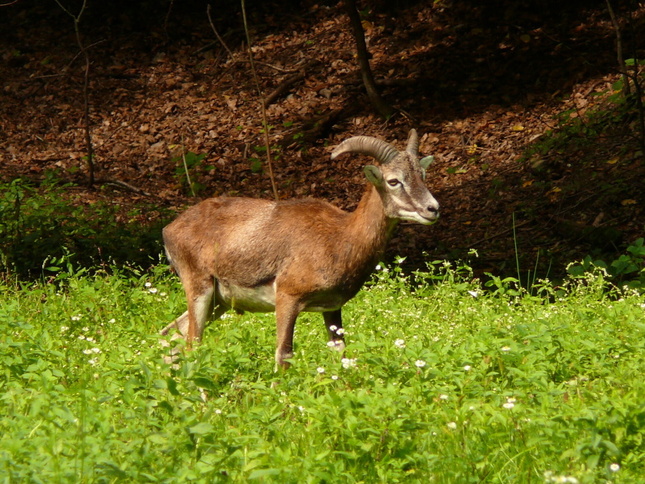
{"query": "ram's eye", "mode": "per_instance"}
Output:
(393, 182)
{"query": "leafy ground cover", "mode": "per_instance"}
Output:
(441, 382)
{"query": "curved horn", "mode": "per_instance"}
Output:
(413, 143)
(380, 150)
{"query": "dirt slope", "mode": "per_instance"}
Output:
(482, 84)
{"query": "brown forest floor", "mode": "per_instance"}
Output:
(482, 84)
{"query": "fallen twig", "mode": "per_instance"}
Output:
(122, 184)
(283, 87)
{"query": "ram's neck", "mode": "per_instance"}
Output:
(369, 231)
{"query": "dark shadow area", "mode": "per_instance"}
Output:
(498, 53)
(159, 67)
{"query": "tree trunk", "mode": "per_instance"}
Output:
(375, 98)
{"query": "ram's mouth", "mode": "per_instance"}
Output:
(419, 218)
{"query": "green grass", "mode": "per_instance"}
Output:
(441, 382)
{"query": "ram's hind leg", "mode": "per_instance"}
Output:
(200, 297)
(179, 325)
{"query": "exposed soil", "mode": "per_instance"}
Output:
(482, 85)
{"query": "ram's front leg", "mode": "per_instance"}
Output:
(335, 332)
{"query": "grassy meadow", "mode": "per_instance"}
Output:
(441, 381)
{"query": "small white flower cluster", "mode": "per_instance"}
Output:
(348, 363)
(153, 290)
(550, 476)
(336, 343)
(510, 403)
(399, 343)
(337, 330)
(81, 337)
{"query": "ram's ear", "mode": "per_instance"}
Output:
(426, 162)
(374, 175)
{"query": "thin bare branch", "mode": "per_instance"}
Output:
(619, 49)
(265, 124)
(86, 88)
(219, 37)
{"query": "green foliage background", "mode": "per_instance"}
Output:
(42, 226)
(441, 382)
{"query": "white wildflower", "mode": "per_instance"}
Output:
(467, 368)
(148, 284)
(112, 321)
(333, 328)
(443, 396)
(348, 362)
(76, 317)
(506, 348)
(399, 343)
(93, 361)
(153, 290)
(334, 377)
(420, 363)
(614, 467)
(320, 370)
(510, 403)
(452, 425)
(64, 328)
